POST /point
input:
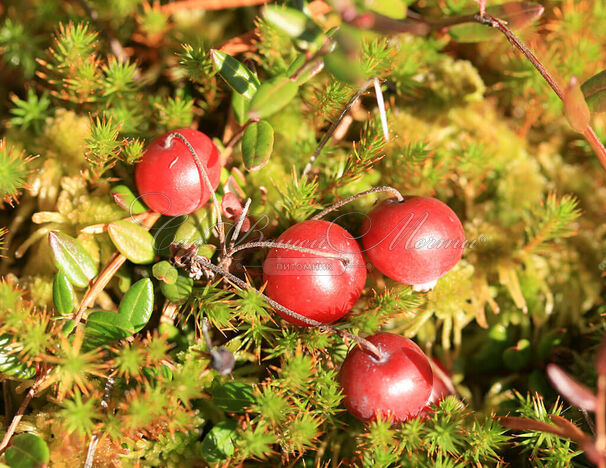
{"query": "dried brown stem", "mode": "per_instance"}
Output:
(347, 200)
(493, 22)
(283, 245)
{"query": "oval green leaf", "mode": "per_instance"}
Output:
(138, 304)
(288, 20)
(257, 144)
(239, 105)
(236, 74)
(125, 198)
(395, 9)
(272, 96)
(180, 291)
(594, 90)
(72, 259)
(27, 451)
(233, 397)
(344, 68)
(164, 271)
(133, 241)
(64, 296)
(104, 326)
(219, 442)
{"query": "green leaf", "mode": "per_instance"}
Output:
(133, 241)
(395, 9)
(594, 90)
(233, 397)
(288, 20)
(272, 96)
(125, 198)
(164, 271)
(239, 105)
(72, 259)
(27, 451)
(104, 326)
(517, 15)
(219, 442)
(257, 144)
(180, 290)
(64, 296)
(518, 357)
(236, 74)
(138, 304)
(196, 229)
(10, 364)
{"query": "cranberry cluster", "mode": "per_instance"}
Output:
(318, 271)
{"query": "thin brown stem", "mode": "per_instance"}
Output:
(589, 133)
(21, 411)
(238, 227)
(284, 245)
(335, 124)
(209, 186)
(307, 321)
(336, 206)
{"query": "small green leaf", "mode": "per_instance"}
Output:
(517, 15)
(133, 241)
(104, 326)
(236, 74)
(196, 229)
(219, 442)
(125, 198)
(272, 96)
(180, 290)
(594, 90)
(233, 397)
(10, 364)
(64, 296)
(239, 105)
(518, 357)
(395, 9)
(257, 144)
(72, 259)
(164, 271)
(288, 20)
(138, 304)
(27, 451)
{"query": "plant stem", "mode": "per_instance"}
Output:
(209, 186)
(347, 200)
(600, 415)
(589, 133)
(92, 447)
(21, 411)
(312, 323)
(284, 245)
(335, 124)
(236, 233)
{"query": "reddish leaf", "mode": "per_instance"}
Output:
(576, 393)
(576, 110)
(231, 206)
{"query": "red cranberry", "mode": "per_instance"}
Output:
(415, 241)
(168, 177)
(396, 387)
(320, 288)
(439, 390)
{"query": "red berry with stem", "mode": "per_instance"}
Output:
(321, 288)
(395, 387)
(168, 177)
(414, 241)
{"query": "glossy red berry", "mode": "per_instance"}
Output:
(396, 387)
(319, 288)
(415, 241)
(439, 390)
(168, 177)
